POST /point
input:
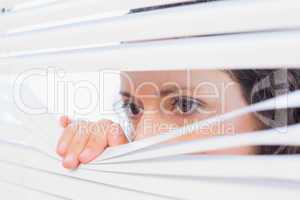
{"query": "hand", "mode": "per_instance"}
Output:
(82, 142)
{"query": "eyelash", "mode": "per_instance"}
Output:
(191, 105)
(129, 106)
(133, 110)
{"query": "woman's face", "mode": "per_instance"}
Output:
(157, 101)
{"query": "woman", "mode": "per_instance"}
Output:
(158, 101)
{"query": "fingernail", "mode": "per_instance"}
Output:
(70, 161)
(62, 148)
(86, 155)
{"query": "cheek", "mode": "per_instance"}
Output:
(239, 125)
(246, 123)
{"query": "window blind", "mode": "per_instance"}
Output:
(147, 35)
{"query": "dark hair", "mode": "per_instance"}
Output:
(259, 85)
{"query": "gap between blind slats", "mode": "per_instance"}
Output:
(169, 23)
(72, 11)
(290, 100)
(258, 50)
(33, 139)
(244, 165)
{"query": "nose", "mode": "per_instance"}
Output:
(148, 125)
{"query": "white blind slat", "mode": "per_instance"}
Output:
(160, 185)
(275, 49)
(65, 186)
(228, 166)
(285, 136)
(166, 23)
(71, 11)
(15, 191)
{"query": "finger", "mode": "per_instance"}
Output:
(64, 121)
(116, 135)
(94, 148)
(77, 145)
(65, 139)
(97, 142)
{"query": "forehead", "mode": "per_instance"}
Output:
(154, 81)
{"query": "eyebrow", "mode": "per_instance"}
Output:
(126, 94)
(167, 91)
(162, 92)
(170, 90)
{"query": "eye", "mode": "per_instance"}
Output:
(185, 105)
(132, 109)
